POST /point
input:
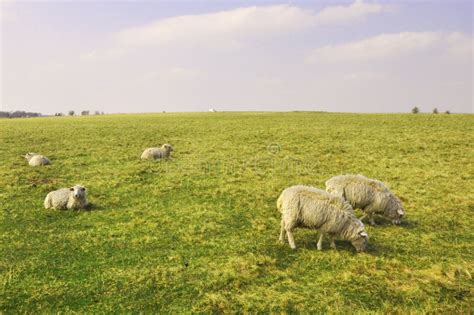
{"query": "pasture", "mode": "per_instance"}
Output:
(199, 232)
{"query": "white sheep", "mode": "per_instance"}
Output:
(312, 208)
(157, 153)
(370, 195)
(35, 159)
(67, 198)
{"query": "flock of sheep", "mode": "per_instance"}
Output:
(75, 197)
(330, 211)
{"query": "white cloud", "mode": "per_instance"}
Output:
(7, 12)
(173, 73)
(392, 46)
(240, 23)
(182, 73)
(363, 76)
(213, 26)
(356, 11)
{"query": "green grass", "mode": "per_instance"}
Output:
(198, 233)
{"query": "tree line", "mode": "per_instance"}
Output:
(24, 114)
(19, 114)
(416, 110)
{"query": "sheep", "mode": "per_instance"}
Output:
(67, 198)
(157, 153)
(35, 159)
(370, 195)
(312, 208)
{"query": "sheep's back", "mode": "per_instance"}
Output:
(37, 160)
(61, 194)
(312, 207)
(59, 198)
(153, 153)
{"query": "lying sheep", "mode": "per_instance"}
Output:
(35, 159)
(370, 195)
(312, 208)
(67, 198)
(157, 153)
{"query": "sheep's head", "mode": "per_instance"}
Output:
(78, 191)
(360, 241)
(167, 147)
(394, 210)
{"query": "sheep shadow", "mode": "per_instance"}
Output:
(282, 253)
(92, 207)
(384, 223)
(409, 224)
(377, 249)
(53, 213)
(89, 208)
(285, 256)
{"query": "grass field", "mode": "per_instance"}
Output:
(199, 232)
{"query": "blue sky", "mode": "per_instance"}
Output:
(362, 56)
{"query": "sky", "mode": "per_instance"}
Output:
(174, 56)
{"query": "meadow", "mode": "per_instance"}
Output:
(199, 232)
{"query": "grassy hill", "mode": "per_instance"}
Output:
(199, 232)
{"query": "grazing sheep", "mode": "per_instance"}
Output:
(157, 153)
(370, 195)
(67, 198)
(35, 159)
(312, 208)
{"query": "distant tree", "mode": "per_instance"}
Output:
(85, 113)
(102, 113)
(435, 110)
(447, 112)
(70, 113)
(415, 110)
(96, 112)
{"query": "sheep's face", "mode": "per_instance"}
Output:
(360, 241)
(167, 147)
(78, 192)
(394, 210)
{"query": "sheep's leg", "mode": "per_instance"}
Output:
(291, 240)
(333, 243)
(282, 231)
(47, 204)
(290, 224)
(371, 219)
(369, 213)
(320, 242)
